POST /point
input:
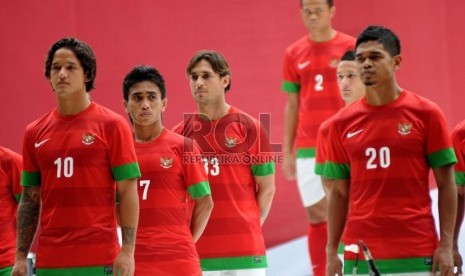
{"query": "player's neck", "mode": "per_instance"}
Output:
(213, 111)
(73, 104)
(323, 35)
(383, 94)
(146, 134)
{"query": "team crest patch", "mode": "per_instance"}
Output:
(404, 128)
(88, 139)
(333, 63)
(230, 142)
(166, 162)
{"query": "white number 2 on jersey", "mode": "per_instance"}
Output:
(381, 157)
(318, 82)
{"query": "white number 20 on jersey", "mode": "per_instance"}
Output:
(381, 157)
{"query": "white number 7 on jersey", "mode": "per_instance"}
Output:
(145, 184)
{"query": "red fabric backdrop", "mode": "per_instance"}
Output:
(251, 34)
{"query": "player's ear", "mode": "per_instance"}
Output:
(125, 104)
(397, 61)
(164, 103)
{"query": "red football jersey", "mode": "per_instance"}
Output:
(387, 152)
(10, 193)
(310, 70)
(76, 161)
(164, 244)
(235, 149)
(458, 139)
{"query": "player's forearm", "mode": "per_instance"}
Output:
(200, 215)
(291, 114)
(447, 205)
(460, 214)
(129, 215)
(265, 195)
(338, 207)
(28, 217)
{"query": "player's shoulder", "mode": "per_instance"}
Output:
(459, 130)
(345, 38)
(298, 45)
(105, 113)
(419, 103)
(242, 117)
(180, 128)
(8, 157)
(176, 138)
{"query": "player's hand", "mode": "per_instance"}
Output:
(124, 264)
(442, 262)
(289, 166)
(458, 262)
(333, 265)
(20, 268)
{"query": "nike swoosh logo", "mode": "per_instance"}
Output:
(352, 134)
(303, 64)
(38, 144)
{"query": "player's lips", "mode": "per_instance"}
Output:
(62, 83)
(144, 114)
(367, 73)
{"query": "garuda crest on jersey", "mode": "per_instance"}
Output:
(404, 128)
(166, 162)
(88, 138)
(230, 142)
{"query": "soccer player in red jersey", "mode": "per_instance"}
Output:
(458, 139)
(351, 88)
(380, 154)
(10, 193)
(240, 168)
(75, 159)
(171, 168)
(309, 79)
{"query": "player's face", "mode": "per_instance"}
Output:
(207, 85)
(66, 73)
(375, 64)
(145, 105)
(350, 84)
(317, 15)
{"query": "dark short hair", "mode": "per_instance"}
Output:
(348, 56)
(330, 3)
(142, 73)
(383, 35)
(83, 53)
(216, 60)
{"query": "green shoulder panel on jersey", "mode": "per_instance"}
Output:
(126, 171)
(263, 169)
(306, 153)
(247, 262)
(29, 179)
(442, 157)
(336, 170)
(319, 169)
(75, 271)
(6, 271)
(199, 190)
(391, 266)
(290, 87)
(460, 178)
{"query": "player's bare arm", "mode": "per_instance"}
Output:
(265, 194)
(291, 113)
(28, 217)
(458, 261)
(447, 205)
(129, 216)
(338, 207)
(202, 210)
